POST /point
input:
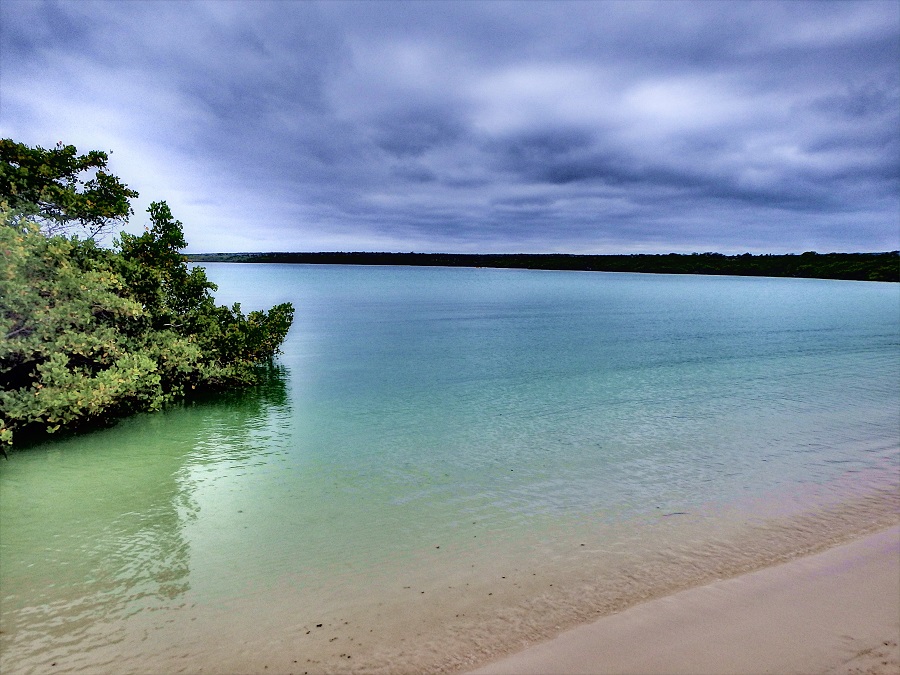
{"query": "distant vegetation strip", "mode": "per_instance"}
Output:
(851, 266)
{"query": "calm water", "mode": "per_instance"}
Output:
(449, 462)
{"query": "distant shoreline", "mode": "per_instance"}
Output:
(848, 266)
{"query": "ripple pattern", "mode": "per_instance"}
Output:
(451, 462)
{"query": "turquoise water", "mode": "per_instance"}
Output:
(450, 461)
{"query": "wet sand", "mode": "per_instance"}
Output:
(833, 612)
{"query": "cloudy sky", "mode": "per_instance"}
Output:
(585, 127)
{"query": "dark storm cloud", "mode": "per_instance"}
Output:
(415, 131)
(627, 126)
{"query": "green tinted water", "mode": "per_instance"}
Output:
(433, 436)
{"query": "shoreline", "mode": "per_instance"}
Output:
(271, 635)
(879, 266)
(836, 611)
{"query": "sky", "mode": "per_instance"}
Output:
(574, 127)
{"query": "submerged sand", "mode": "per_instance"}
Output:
(837, 611)
(666, 609)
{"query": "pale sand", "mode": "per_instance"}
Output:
(834, 612)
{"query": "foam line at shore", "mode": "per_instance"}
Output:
(837, 611)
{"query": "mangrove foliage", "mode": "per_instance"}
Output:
(92, 334)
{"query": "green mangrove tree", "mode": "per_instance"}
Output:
(91, 334)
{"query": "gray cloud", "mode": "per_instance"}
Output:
(604, 126)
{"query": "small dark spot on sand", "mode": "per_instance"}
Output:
(318, 625)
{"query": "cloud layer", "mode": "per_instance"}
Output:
(499, 127)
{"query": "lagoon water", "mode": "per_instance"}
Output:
(450, 463)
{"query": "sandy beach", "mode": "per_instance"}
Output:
(837, 611)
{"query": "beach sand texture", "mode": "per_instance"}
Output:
(834, 612)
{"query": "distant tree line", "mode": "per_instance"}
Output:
(851, 266)
(91, 334)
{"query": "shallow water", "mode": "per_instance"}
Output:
(451, 462)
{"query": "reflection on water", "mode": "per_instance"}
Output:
(93, 528)
(449, 461)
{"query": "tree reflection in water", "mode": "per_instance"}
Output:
(92, 528)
